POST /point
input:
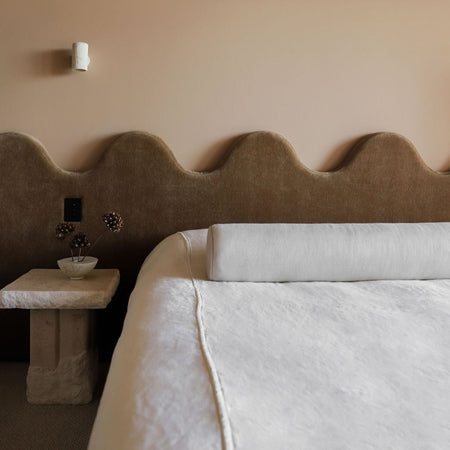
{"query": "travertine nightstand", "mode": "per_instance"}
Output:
(63, 356)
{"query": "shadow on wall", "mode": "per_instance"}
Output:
(213, 158)
(50, 62)
(218, 153)
(446, 166)
(93, 151)
(336, 156)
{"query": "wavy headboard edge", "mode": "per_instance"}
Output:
(382, 179)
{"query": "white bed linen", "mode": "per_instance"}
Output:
(328, 251)
(308, 365)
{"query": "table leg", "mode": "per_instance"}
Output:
(63, 358)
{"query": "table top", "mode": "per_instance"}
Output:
(51, 289)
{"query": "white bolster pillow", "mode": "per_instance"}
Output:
(328, 251)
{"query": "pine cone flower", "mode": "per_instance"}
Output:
(80, 240)
(64, 228)
(113, 221)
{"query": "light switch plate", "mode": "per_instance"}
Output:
(72, 209)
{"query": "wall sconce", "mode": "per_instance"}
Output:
(80, 57)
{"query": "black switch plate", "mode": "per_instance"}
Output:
(72, 210)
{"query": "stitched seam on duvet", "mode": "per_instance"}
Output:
(211, 263)
(227, 439)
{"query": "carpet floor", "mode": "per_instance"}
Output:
(42, 427)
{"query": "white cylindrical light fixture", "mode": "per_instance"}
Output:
(80, 57)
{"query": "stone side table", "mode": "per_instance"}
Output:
(63, 356)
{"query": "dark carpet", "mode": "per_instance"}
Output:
(42, 427)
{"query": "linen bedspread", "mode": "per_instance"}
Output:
(308, 365)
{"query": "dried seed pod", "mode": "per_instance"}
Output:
(113, 221)
(63, 229)
(80, 240)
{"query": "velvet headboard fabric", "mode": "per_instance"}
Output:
(382, 179)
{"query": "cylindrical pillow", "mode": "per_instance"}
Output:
(328, 252)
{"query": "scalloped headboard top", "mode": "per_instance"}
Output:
(382, 179)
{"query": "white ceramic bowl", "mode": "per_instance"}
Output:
(77, 270)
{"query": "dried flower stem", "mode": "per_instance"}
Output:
(93, 245)
(113, 222)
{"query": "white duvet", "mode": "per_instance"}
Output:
(308, 365)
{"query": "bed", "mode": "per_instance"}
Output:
(280, 365)
(169, 384)
(260, 179)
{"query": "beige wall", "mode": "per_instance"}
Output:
(198, 73)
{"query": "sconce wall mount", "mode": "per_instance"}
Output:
(80, 56)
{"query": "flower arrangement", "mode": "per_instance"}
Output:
(113, 222)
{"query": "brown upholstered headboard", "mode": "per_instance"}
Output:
(382, 179)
